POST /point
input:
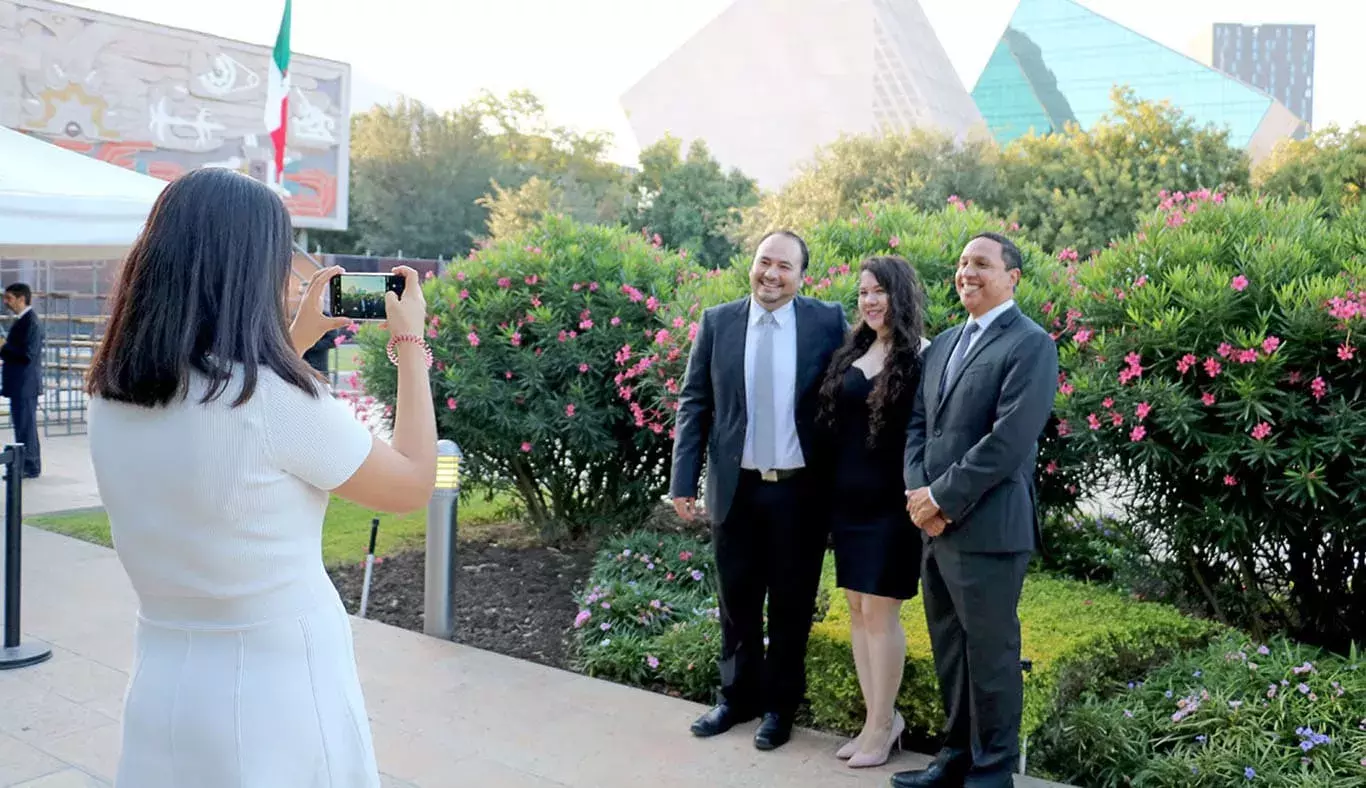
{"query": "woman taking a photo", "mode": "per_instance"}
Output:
(215, 448)
(866, 403)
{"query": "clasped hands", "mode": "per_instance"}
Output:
(924, 513)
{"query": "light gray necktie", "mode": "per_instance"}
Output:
(956, 361)
(765, 420)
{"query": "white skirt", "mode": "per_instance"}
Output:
(258, 693)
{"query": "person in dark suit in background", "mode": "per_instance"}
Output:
(317, 355)
(22, 374)
(971, 449)
(749, 401)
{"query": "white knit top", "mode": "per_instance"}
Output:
(214, 502)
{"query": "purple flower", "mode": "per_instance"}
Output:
(653, 662)
(1249, 773)
(1303, 688)
(697, 575)
(1201, 738)
(606, 625)
(582, 618)
(606, 605)
(1128, 714)
(1263, 650)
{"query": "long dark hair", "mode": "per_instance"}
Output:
(901, 370)
(202, 289)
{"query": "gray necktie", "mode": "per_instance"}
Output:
(958, 354)
(765, 420)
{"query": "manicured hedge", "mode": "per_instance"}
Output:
(648, 618)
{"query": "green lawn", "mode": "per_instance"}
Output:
(346, 358)
(346, 531)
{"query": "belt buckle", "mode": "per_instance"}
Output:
(769, 475)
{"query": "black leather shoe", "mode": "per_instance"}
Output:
(719, 720)
(773, 732)
(941, 773)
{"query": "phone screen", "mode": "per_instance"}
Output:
(361, 296)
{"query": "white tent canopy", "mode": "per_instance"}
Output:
(56, 204)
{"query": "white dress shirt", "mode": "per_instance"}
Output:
(789, 449)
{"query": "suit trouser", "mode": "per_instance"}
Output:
(971, 602)
(24, 414)
(771, 544)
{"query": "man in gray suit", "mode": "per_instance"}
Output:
(749, 399)
(971, 448)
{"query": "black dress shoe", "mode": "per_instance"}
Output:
(941, 773)
(773, 732)
(719, 720)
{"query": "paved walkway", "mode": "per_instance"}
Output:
(442, 714)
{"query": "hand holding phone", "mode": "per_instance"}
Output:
(361, 296)
(406, 306)
(311, 321)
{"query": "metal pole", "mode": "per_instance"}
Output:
(369, 567)
(438, 606)
(15, 654)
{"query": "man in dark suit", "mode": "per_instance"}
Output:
(22, 374)
(749, 399)
(971, 448)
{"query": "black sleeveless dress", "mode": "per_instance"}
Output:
(877, 547)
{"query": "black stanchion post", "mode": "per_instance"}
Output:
(15, 654)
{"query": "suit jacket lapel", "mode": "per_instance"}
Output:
(997, 328)
(737, 326)
(806, 345)
(935, 372)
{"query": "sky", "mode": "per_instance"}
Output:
(580, 56)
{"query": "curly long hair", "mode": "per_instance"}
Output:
(901, 370)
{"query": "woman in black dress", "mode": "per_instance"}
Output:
(865, 404)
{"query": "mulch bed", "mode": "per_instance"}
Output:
(514, 601)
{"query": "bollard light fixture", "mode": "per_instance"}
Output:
(448, 457)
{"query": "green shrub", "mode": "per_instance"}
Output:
(1278, 714)
(1102, 549)
(524, 334)
(662, 632)
(651, 373)
(1074, 634)
(1214, 366)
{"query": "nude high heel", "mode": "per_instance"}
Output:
(863, 759)
(847, 751)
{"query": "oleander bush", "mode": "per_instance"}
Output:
(1237, 713)
(524, 333)
(648, 618)
(1214, 368)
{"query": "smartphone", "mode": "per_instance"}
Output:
(361, 296)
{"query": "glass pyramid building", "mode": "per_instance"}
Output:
(1057, 62)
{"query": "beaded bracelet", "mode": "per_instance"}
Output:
(415, 339)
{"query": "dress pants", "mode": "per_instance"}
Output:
(971, 602)
(771, 544)
(24, 414)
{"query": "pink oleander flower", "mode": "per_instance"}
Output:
(1261, 431)
(583, 368)
(582, 618)
(1142, 410)
(1346, 352)
(585, 324)
(1239, 283)
(1230, 480)
(473, 339)
(1065, 389)
(451, 403)
(1225, 350)
(504, 282)
(616, 321)
(1187, 361)
(1319, 388)
(1107, 403)
(1246, 356)
(1093, 421)
(1212, 367)
(1270, 344)
(526, 446)
(894, 241)
(653, 662)
(508, 374)
(569, 410)
(1141, 281)
(459, 276)
(1117, 419)
(1064, 429)
(1137, 433)
(1207, 398)
(1082, 336)
(592, 287)
(662, 336)
(533, 279)
(516, 339)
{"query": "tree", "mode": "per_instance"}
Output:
(416, 177)
(591, 188)
(1080, 189)
(920, 167)
(691, 204)
(1329, 166)
(513, 211)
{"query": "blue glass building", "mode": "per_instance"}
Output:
(1058, 61)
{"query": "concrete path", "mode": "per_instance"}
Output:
(442, 714)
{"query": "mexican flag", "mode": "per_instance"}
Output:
(277, 95)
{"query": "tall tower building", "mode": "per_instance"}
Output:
(1276, 58)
